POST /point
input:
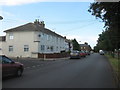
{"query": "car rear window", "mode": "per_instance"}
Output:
(5, 60)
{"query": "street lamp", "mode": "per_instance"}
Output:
(1, 17)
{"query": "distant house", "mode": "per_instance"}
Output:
(33, 40)
(85, 47)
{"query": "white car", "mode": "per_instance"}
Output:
(101, 52)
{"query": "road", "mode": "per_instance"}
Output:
(94, 71)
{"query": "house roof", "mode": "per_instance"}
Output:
(84, 45)
(33, 27)
(26, 27)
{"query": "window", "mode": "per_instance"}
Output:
(42, 47)
(57, 40)
(10, 48)
(50, 37)
(26, 48)
(11, 36)
(47, 37)
(51, 48)
(57, 48)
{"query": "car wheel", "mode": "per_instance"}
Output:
(19, 72)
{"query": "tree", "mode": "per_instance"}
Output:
(76, 46)
(1, 17)
(108, 12)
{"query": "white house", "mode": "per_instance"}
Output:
(31, 40)
(2, 41)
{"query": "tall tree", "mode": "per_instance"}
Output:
(108, 12)
(76, 45)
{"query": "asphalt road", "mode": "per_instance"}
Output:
(94, 71)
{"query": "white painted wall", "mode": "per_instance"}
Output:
(48, 40)
(20, 39)
(1, 48)
(34, 39)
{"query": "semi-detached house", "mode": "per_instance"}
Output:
(33, 40)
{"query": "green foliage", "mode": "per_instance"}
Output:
(76, 46)
(108, 12)
(115, 64)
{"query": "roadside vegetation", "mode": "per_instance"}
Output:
(115, 63)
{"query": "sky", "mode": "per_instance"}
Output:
(70, 19)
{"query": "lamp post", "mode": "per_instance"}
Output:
(1, 17)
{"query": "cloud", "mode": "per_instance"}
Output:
(21, 2)
(18, 2)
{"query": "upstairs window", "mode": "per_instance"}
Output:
(11, 36)
(81, 47)
(47, 37)
(26, 48)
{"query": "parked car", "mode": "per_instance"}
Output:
(75, 54)
(82, 53)
(87, 52)
(101, 52)
(10, 67)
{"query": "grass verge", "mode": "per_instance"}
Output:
(115, 63)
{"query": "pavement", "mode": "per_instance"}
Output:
(65, 58)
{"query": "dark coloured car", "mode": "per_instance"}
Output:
(87, 52)
(75, 54)
(10, 67)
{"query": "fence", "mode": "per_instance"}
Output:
(53, 55)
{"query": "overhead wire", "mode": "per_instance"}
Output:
(78, 28)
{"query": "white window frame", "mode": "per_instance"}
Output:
(26, 48)
(47, 37)
(11, 36)
(42, 47)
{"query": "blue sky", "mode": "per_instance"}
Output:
(70, 19)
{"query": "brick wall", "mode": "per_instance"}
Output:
(54, 55)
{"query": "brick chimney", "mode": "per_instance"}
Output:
(41, 23)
